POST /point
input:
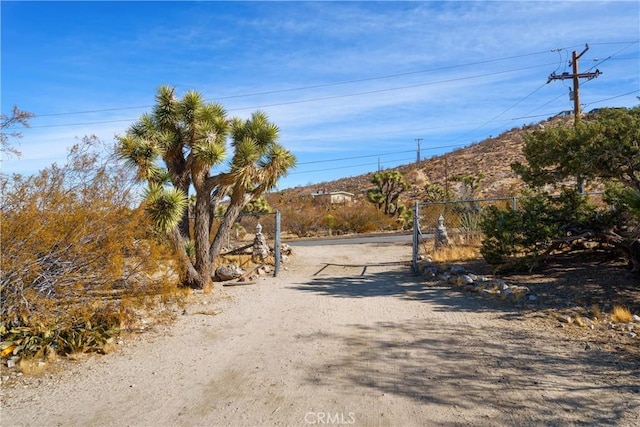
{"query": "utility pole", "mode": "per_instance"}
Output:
(576, 76)
(418, 156)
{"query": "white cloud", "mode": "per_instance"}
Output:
(227, 49)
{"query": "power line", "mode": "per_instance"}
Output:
(498, 115)
(352, 158)
(319, 86)
(388, 89)
(373, 155)
(628, 44)
(345, 167)
(325, 98)
(346, 82)
(613, 97)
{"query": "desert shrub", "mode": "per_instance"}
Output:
(77, 259)
(300, 216)
(361, 218)
(600, 149)
(541, 224)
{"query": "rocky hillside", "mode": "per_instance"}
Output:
(492, 158)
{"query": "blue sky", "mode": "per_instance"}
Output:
(350, 84)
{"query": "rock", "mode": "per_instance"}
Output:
(465, 279)
(519, 291)
(502, 286)
(584, 321)
(228, 272)
(285, 249)
(566, 319)
(431, 272)
(635, 318)
(533, 298)
(260, 246)
(456, 269)
(631, 335)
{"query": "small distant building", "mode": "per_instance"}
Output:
(565, 113)
(333, 197)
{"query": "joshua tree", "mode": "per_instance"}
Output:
(175, 149)
(389, 186)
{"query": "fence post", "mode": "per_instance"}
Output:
(276, 249)
(416, 237)
(514, 203)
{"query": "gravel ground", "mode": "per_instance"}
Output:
(345, 336)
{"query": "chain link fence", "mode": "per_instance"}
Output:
(461, 218)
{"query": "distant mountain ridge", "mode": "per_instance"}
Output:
(491, 157)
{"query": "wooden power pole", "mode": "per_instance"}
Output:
(575, 76)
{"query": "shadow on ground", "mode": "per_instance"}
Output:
(510, 376)
(508, 379)
(395, 280)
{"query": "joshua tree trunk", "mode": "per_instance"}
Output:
(230, 217)
(193, 279)
(201, 235)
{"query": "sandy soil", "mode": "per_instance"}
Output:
(345, 336)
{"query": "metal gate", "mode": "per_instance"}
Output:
(461, 219)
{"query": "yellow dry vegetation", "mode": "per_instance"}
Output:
(459, 250)
(621, 314)
(78, 259)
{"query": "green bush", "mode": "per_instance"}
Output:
(516, 239)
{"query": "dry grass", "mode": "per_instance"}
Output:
(243, 261)
(38, 363)
(458, 253)
(596, 313)
(452, 253)
(621, 314)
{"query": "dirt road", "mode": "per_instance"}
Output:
(346, 336)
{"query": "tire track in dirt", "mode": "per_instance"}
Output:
(343, 345)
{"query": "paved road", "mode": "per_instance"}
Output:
(353, 240)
